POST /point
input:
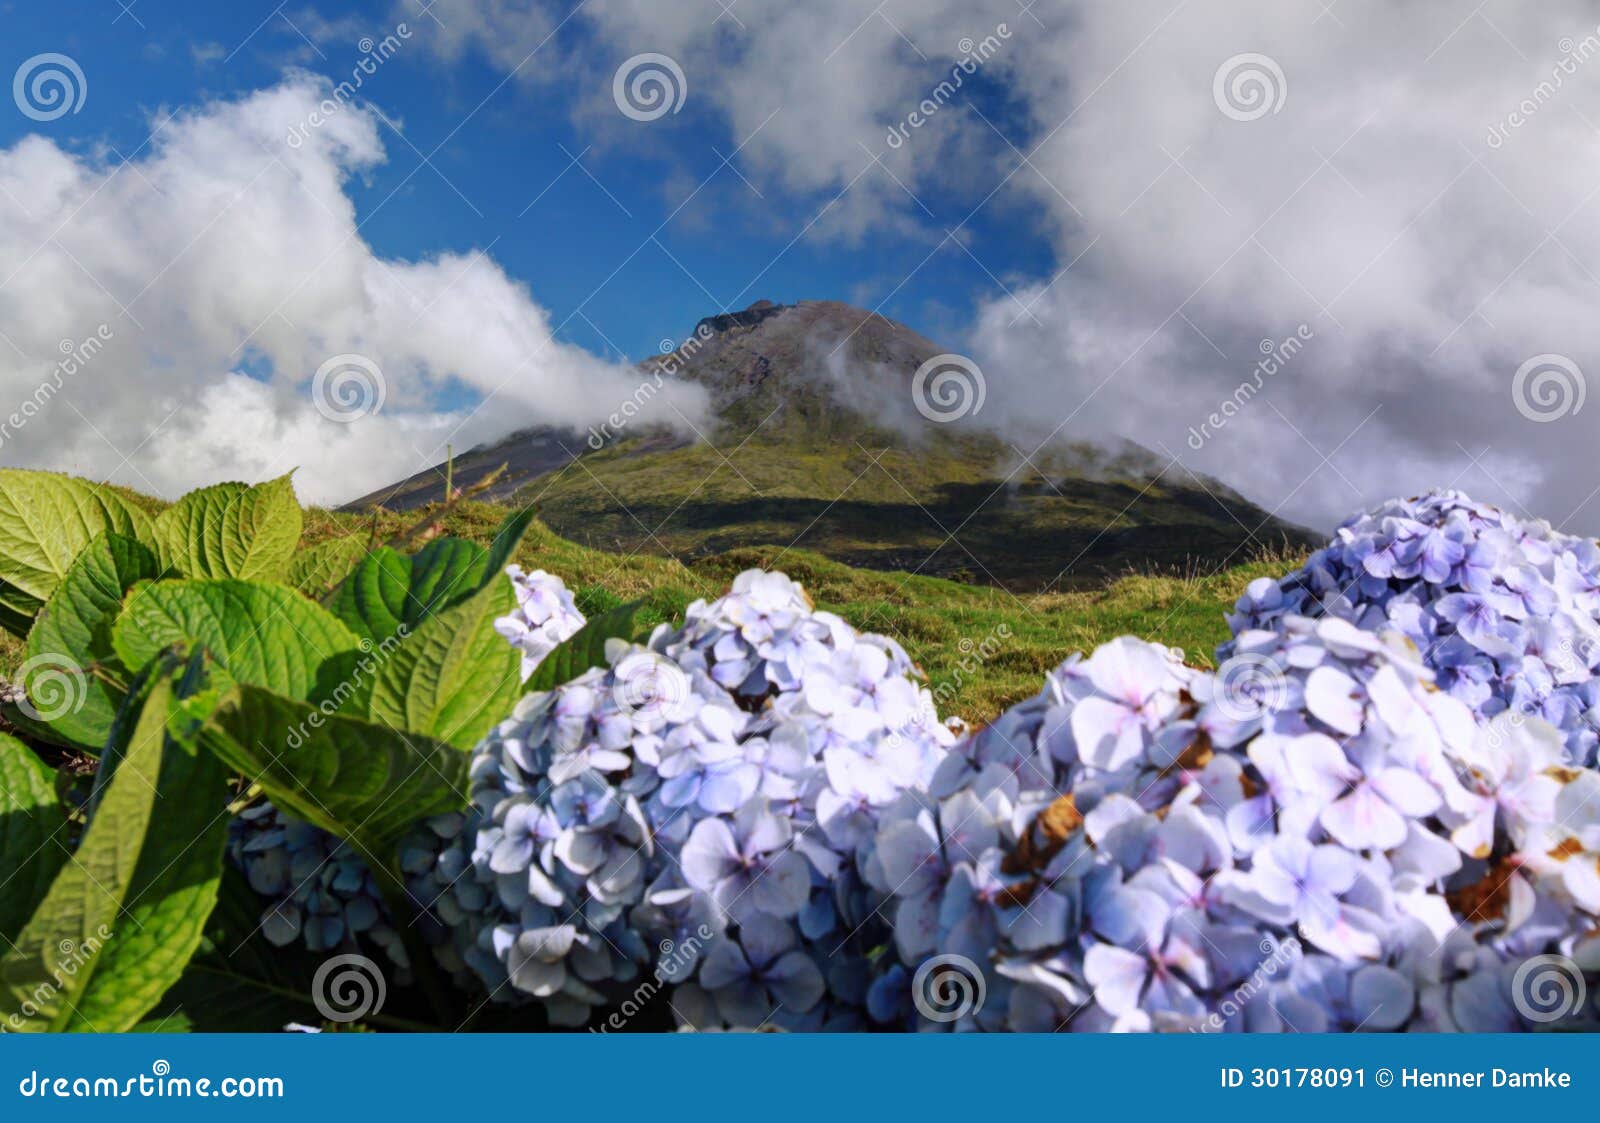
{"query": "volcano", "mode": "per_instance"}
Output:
(843, 432)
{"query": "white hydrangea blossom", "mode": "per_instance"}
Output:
(545, 616)
(709, 790)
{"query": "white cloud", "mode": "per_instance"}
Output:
(226, 265)
(1429, 259)
(1370, 207)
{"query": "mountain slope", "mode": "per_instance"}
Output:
(817, 444)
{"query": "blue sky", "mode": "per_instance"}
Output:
(1113, 217)
(484, 161)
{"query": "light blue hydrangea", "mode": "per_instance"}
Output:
(319, 891)
(707, 793)
(546, 615)
(1506, 611)
(1325, 843)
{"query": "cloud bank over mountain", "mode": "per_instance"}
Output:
(163, 321)
(1412, 181)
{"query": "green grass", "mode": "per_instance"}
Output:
(952, 508)
(982, 648)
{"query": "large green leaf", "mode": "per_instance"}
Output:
(126, 912)
(232, 530)
(586, 647)
(359, 780)
(454, 676)
(237, 983)
(32, 846)
(73, 632)
(268, 635)
(390, 594)
(316, 570)
(45, 521)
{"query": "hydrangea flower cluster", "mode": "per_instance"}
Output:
(318, 889)
(1505, 611)
(1326, 843)
(694, 810)
(545, 616)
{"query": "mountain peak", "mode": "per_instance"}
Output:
(750, 317)
(815, 443)
(836, 356)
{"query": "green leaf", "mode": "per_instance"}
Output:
(267, 635)
(315, 571)
(73, 632)
(232, 530)
(455, 676)
(586, 647)
(32, 846)
(389, 593)
(45, 521)
(237, 983)
(126, 912)
(508, 539)
(361, 781)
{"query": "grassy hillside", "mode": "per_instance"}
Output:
(944, 625)
(982, 647)
(885, 507)
(814, 441)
